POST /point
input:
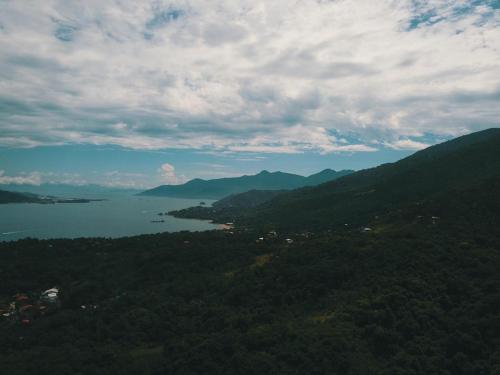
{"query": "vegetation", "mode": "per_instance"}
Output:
(249, 199)
(228, 208)
(358, 197)
(415, 295)
(409, 287)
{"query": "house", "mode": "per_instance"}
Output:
(50, 295)
(21, 297)
(26, 308)
(227, 226)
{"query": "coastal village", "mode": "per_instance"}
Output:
(24, 308)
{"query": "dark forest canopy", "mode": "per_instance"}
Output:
(409, 287)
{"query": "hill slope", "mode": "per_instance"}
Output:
(248, 199)
(356, 198)
(414, 296)
(222, 187)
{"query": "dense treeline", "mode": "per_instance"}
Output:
(230, 208)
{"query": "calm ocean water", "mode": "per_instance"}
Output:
(116, 217)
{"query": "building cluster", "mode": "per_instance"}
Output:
(24, 308)
(273, 235)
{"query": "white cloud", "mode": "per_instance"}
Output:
(246, 76)
(407, 144)
(32, 178)
(168, 175)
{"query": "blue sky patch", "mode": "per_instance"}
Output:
(428, 17)
(163, 17)
(65, 32)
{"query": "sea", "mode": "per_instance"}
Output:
(116, 216)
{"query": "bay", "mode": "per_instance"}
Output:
(117, 216)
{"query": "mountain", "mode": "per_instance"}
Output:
(248, 199)
(356, 198)
(222, 187)
(326, 175)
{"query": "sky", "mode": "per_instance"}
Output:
(129, 93)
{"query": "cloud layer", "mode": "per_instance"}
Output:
(33, 178)
(248, 76)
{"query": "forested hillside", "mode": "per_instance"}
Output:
(418, 294)
(356, 198)
(409, 286)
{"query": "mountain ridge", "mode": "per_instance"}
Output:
(7, 197)
(222, 187)
(66, 190)
(356, 198)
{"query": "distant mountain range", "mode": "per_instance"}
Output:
(222, 187)
(428, 175)
(67, 190)
(17, 197)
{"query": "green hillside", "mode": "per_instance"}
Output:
(410, 286)
(356, 198)
(248, 199)
(416, 295)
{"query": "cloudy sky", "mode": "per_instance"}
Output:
(137, 93)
